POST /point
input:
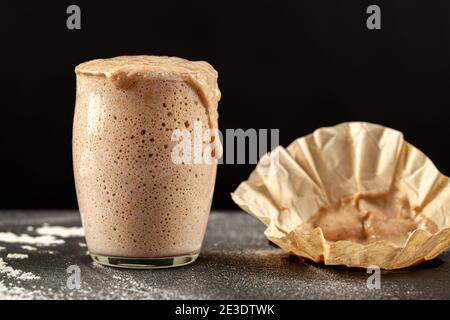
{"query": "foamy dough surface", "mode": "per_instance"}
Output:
(123, 71)
(134, 201)
(143, 66)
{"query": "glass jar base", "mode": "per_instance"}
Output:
(145, 263)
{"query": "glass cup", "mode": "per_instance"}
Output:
(144, 200)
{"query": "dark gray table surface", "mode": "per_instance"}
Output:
(236, 263)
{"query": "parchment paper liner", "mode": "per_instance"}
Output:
(290, 185)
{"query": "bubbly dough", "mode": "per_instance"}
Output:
(134, 201)
(366, 219)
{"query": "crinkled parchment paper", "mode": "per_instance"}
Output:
(291, 184)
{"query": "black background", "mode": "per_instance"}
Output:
(292, 65)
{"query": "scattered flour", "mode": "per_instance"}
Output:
(45, 236)
(98, 265)
(63, 232)
(29, 248)
(44, 240)
(48, 235)
(82, 244)
(17, 256)
(10, 291)
(126, 285)
(10, 272)
(14, 293)
(28, 276)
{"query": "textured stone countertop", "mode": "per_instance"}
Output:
(236, 263)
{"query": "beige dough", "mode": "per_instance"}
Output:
(369, 218)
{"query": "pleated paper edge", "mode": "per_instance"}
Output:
(313, 246)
